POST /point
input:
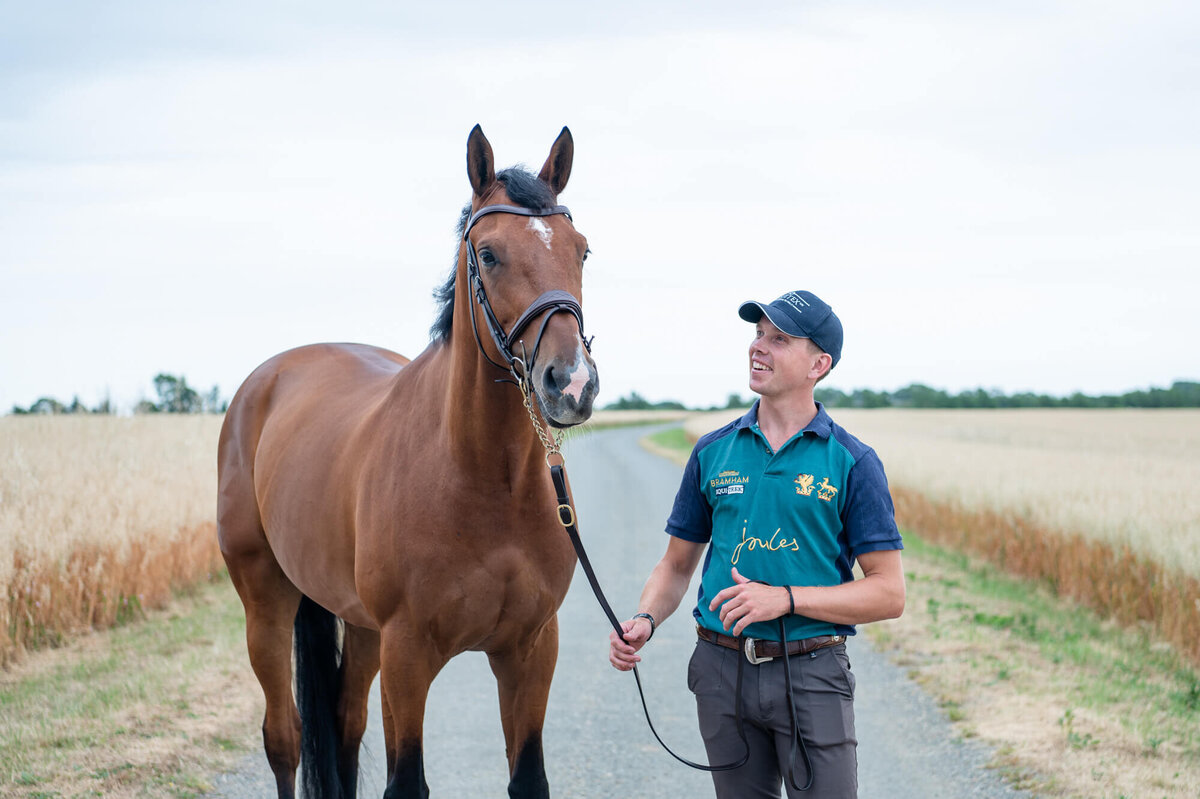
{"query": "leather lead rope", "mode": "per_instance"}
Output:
(566, 517)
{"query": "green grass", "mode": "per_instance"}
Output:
(103, 682)
(673, 438)
(1119, 672)
(66, 718)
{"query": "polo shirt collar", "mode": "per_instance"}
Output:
(821, 424)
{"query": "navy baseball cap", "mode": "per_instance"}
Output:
(801, 314)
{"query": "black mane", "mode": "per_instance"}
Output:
(523, 189)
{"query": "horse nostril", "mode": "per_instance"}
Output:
(553, 381)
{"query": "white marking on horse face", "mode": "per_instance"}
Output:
(579, 378)
(542, 230)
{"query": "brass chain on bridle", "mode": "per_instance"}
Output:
(552, 442)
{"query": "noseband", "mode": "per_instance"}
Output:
(553, 301)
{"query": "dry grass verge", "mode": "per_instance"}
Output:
(147, 709)
(1072, 705)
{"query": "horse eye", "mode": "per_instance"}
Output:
(586, 253)
(487, 258)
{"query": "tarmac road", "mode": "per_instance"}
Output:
(596, 740)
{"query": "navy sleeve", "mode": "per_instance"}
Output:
(868, 518)
(691, 516)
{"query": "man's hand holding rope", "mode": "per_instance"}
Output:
(746, 602)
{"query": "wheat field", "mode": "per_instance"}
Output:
(1102, 504)
(1126, 477)
(100, 517)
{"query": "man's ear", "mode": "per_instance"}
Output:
(821, 366)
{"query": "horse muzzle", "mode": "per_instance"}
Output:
(566, 389)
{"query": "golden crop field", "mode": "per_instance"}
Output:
(1102, 503)
(100, 517)
(1127, 477)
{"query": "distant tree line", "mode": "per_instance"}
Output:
(1181, 394)
(174, 396)
(636, 402)
(49, 405)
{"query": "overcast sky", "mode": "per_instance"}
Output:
(998, 195)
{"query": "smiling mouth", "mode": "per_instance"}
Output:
(757, 366)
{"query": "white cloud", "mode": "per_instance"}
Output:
(1009, 191)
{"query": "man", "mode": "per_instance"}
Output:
(781, 502)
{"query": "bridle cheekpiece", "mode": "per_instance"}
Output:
(553, 301)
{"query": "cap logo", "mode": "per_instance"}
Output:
(795, 300)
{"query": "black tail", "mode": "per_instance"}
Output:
(318, 685)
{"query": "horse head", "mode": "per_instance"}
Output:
(524, 265)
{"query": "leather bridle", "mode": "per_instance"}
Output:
(556, 301)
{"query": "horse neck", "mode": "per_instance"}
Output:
(486, 415)
(486, 421)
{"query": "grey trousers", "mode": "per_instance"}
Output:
(823, 689)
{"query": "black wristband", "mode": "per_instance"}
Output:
(649, 618)
(791, 600)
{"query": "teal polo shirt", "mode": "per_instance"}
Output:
(799, 516)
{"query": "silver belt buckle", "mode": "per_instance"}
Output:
(748, 649)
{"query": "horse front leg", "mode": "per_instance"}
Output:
(389, 744)
(523, 675)
(408, 665)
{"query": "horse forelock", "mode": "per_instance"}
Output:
(524, 189)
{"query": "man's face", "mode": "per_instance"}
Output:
(780, 363)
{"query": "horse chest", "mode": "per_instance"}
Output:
(464, 561)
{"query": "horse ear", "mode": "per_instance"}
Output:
(557, 168)
(480, 163)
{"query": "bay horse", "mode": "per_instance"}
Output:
(410, 500)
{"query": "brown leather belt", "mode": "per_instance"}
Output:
(758, 650)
